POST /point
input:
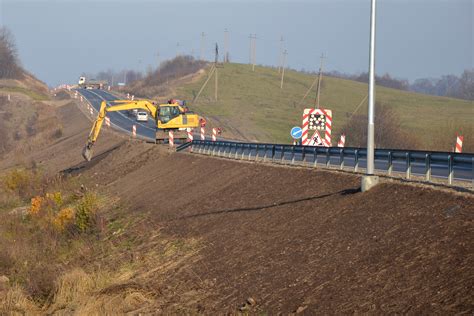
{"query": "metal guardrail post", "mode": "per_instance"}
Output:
(328, 157)
(408, 163)
(341, 159)
(427, 167)
(265, 153)
(303, 156)
(219, 149)
(256, 154)
(390, 163)
(450, 169)
(273, 153)
(282, 154)
(315, 157)
(250, 152)
(243, 152)
(236, 151)
(472, 171)
(356, 160)
(213, 153)
(293, 155)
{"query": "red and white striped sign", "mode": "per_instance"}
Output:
(134, 130)
(319, 120)
(459, 140)
(203, 134)
(128, 95)
(342, 141)
(107, 121)
(133, 97)
(189, 131)
(214, 134)
(171, 138)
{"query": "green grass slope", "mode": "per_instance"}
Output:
(252, 105)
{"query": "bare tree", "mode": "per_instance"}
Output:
(389, 133)
(9, 64)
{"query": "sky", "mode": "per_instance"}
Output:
(58, 40)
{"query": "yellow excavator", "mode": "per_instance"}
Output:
(168, 117)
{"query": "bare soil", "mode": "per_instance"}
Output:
(292, 239)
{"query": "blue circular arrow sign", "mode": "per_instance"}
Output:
(296, 132)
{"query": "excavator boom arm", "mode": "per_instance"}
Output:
(117, 105)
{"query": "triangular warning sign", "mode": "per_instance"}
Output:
(316, 140)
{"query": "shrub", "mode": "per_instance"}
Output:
(64, 218)
(86, 211)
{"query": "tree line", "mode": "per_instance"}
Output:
(461, 87)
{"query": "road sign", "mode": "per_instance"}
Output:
(296, 132)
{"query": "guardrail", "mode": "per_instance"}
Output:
(446, 164)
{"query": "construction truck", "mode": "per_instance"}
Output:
(168, 117)
(91, 83)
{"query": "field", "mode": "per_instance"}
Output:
(252, 105)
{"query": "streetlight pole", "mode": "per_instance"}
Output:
(369, 180)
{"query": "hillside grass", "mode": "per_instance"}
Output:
(36, 96)
(254, 104)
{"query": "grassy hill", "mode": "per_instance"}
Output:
(252, 105)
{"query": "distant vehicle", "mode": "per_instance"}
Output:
(133, 112)
(91, 83)
(142, 116)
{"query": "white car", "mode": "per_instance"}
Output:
(142, 116)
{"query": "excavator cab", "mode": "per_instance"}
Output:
(168, 112)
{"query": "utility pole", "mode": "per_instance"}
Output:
(201, 56)
(369, 180)
(177, 49)
(216, 60)
(254, 51)
(226, 46)
(280, 54)
(319, 81)
(283, 68)
(251, 48)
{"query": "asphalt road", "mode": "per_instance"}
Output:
(146, 130)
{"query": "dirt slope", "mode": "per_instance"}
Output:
(290, 238)
(293, 237)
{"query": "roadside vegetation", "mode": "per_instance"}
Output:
(67, 248)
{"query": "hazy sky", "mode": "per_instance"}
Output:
(58, 40)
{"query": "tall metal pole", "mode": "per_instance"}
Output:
(226, 46)
(370, 128)
(319, 81)
(280, 54)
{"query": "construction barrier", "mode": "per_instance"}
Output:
(134, 130)
(203, 135)
(82, 99)
(318, 120)
(214, 134)
(128, 96)
(190, 134)
(171, 138)
(342, 141)
(133, 97)
(459, 140)
(107, 121)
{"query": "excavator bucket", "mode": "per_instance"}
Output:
(87, 153)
